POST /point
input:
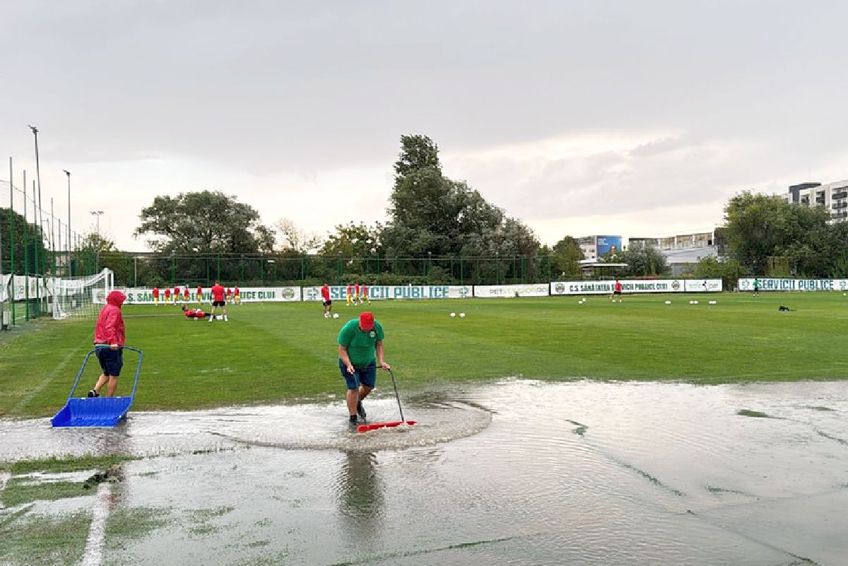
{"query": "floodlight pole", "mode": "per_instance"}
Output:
(38, 182)
(68, 240)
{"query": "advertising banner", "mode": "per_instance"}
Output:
(20, 283)
(506, 291)
(607, 244)
(144, 295)
(606, 287)
(702, 285)
(785, 284)
(383, 292)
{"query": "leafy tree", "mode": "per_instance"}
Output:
(26, 244)
(758, 227)
(417, 153)
(355, 245)
(433, 216)
(295, 240)
(204, 223)
(643, 261)
(727, 269)
(565, 257)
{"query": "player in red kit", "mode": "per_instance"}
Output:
(218, 301)
(325, 299)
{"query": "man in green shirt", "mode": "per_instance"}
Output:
(360, 351)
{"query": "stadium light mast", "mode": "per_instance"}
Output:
(97, 214)
(38, 183)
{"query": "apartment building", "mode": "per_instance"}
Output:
(832, 196)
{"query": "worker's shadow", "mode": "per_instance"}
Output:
(359, 494)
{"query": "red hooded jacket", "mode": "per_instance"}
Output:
(110, 323)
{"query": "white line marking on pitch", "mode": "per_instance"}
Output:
(93, 555)
(42, 383)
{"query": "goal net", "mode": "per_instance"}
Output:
(80, 296)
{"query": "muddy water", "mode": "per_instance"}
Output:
(516, 472)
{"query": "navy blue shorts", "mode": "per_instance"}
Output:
(366, 376)
(111, 361)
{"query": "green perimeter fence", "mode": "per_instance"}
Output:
(147, 269)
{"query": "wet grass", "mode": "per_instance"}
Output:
(40, 539)
(129, 524)
(271, 353)
(63, 464)
(25, 490)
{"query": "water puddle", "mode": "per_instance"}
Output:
(510, 472)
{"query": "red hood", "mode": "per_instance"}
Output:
(116, 298)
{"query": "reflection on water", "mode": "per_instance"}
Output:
(517, 472)
(359, 494)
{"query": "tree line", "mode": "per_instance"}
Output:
(438, 231)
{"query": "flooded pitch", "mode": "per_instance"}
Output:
(516, 472)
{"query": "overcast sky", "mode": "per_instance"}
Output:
(638, 118)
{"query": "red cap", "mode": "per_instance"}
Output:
(366, 321)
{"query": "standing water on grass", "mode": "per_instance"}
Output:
(517, 472)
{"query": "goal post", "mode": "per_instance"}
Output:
(80, 296)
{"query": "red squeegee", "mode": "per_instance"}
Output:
(387, 424)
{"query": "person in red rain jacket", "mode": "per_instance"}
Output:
(109, 338)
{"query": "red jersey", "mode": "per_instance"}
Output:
(186, 293)
(236, 291)
(618, 287)
(229, 292)
(364, 290)
(156, 292)
(325, 293)
(217, 293)
(110, 323)
(167, 293)
(195, 313)
(350, 289)
(200, 291)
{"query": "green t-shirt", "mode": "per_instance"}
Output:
(359, 344)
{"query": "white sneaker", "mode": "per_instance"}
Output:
(226, 319)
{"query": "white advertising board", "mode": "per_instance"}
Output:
(627, 286)
(702, 285)
(507, 291)
(786, 284)
(383, 292)
(144, 295)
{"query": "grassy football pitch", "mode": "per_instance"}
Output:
(278, 352)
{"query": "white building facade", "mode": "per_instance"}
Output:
(832, 196)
